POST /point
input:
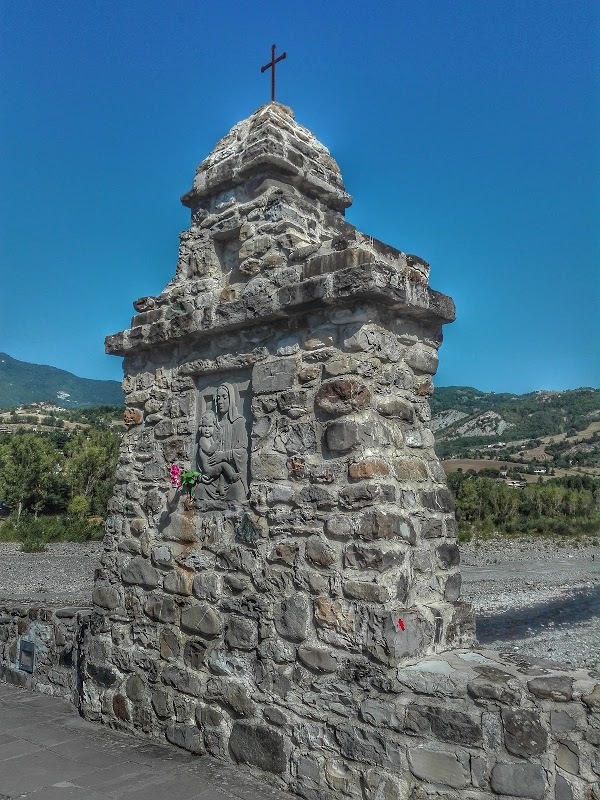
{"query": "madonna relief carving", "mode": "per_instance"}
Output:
(222, 454)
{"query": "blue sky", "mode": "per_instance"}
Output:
(466, 131)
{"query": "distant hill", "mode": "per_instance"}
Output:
(462, 416)
(22, 383)
(465, 417)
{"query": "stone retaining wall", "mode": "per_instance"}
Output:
(467, 724)
(56, 634)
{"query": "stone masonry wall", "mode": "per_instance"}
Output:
(56, 634)
(291, 611)
(466, 724)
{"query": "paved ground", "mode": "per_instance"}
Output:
(47, 752)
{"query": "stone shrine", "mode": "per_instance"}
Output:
(286, 602)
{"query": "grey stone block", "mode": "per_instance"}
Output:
(259, 745)
(440, 767)
(186, 736)
(106, 597)
(296, 439)
(292, 617)
(381, 714)
(523, 732)
(448, 555)
(194, 653)
(136, 689)
(162, 556)
(358, 556)
(519, 780)
(182, 680)
(452, 587)
(201, 619)
(398, 408)
(319, 552)
(162, 703)
(343, 435)
(274, 376)
(102, 675)
(367, 591)
(493, 684)
(168, 644)
(177, 582)
(438, 500)
(232, 693)
(562, 722)
(562, 789)
(378, 524)
(379, 785)
(365, 494)
(552, 687)
(567, 757)
(422, 358)
(450, 725)
(161, 609)
(317, 659)
(431, 528)
(241, 634)
(434, 676)
(371, 747)
(207, 586)
(592, 699)
(339, 527)
(140, 572)
(392, 637)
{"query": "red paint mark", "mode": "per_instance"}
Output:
(401, 624)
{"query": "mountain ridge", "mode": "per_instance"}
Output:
(464, 417)
(23, 383)
(452, 407)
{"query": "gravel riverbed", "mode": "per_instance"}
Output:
(535, 598)
(531, 598)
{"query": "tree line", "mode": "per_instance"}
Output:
(566, 506)
(56, 485)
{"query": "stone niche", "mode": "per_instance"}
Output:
(279, 614)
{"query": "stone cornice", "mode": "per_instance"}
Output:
(263, 301)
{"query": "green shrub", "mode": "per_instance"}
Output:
(465, 533)
(60, 528)
(79, 506)
(33, 545)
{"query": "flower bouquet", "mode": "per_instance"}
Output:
(180, 477)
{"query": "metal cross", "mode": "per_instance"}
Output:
(271, 66)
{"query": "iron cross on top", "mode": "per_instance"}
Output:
(271, 66)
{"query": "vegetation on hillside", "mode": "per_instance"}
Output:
(578, 452)
(466, 399)
(22, 383)
(528, 417)
(54, 417)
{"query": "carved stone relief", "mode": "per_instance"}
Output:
(223, 443)
(196, 256)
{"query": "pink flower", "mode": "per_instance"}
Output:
(175, 475)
